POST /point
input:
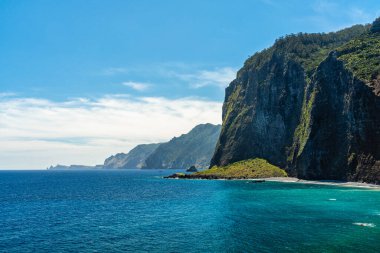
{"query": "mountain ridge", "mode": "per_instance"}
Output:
(194, 148)
(134, 159)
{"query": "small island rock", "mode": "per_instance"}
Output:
(192, 169)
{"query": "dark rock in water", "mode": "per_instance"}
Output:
(193, 176)
(192, 169)
(256, 181)
(307, 110)
(177, 175)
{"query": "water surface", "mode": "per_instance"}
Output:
(138, 211)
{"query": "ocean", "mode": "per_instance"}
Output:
(139, 211)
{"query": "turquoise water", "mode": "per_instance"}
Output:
(138, 211)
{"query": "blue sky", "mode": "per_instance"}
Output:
(65, 59)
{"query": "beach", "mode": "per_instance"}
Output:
(322, 182)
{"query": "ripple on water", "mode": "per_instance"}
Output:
(138, 211)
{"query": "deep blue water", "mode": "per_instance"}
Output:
(138, 211)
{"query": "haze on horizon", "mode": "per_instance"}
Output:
(81, 81)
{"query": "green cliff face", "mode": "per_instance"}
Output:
(194, 148)
(134, 159)
(309, 104)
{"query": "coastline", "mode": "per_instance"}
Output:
(323, 182)
(282, 180)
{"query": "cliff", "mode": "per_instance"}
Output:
(75, 167)
(309, 104)
(134, 159)
(194, 148)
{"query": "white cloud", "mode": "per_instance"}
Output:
(323, 6)
(35, 133)
(7, 94)
(114, 71)
(332, 16)
(194, 76)
(137, 85)
(220, 77)
(360, 16)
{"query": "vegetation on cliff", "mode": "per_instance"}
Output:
(307, 49)
(134, 159)
(362, 56)
(274, 80)
(194, 148)
(302, 131)
(308, 104)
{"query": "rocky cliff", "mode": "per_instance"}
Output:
(194, 148)
(75, 167)
(134, 159)
(309, 104)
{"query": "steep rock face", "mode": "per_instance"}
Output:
(305, 109)
(261, 107)
(343, 134)
(134, 159)
(194, 148)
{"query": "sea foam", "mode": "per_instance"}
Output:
(371, 225)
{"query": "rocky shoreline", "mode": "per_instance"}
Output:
(206, 177)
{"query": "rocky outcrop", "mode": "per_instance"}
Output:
(192, 169)
(194, 148)
(308, 104)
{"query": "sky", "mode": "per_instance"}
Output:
(81, 80)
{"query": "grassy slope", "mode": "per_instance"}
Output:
(362, 56)
(252, 168)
